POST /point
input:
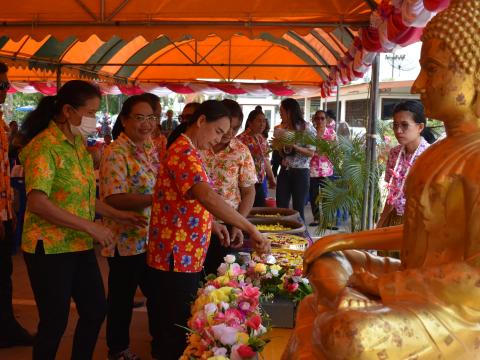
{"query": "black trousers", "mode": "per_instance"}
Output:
(55, 279)
(6, 268)
(172, 294)
(293, 184)
(315, 184)
(126, 274)
(259, 196)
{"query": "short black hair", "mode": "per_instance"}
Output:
(3, 68)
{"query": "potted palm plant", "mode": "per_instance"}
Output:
(345, 192)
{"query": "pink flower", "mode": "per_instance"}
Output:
(251, 291)
(222, 269)
(298, 272)
(233, 317)
(291, 287)
(244, 306)
(254, 322)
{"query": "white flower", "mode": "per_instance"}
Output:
(208, 289)
(270, 259)
(225, 334)
(222, 269)
(229, 259)
(219, 351)
(274, 272)
(210, 309)
(260, 331)
(305, 281)
(224, 306)
(268, 275)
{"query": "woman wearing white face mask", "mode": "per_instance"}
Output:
(59, 231)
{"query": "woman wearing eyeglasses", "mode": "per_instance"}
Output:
(409, 127)
(127, 177)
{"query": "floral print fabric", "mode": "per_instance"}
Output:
(64, 172)
(396, 177)
(230, 169)
(179, 225)
(6, 193)
(320, 165)
(299, 161)
(128, 169)
(258, 149)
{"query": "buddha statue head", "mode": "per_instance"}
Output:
(449, 81)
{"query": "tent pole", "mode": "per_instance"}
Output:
(59, 77)
(369, 188)
(337, 103)
(374, 98)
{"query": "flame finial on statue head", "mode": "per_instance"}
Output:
(459, 27)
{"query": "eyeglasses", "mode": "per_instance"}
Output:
(142, 118)
(4, 85)
(403, 126)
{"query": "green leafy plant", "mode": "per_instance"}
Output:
(345, 193)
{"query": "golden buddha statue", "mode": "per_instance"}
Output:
(426, 306)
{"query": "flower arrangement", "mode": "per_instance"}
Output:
(226, 320)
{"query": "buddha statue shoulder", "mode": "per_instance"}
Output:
(425, 306)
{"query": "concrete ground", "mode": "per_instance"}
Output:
(25, 311)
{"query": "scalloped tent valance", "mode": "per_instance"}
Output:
(323, 43)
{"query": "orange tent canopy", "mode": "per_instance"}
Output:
(179, 41)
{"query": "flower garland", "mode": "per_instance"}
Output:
(227, 322)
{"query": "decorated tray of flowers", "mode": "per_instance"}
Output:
(269, 213)
(275, 225)
(287, 241)
(227, 321)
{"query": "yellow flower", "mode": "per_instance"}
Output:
(180, 235)
(189, 247)
(171, 195)
(218, 357)
(197, 209)
(242, 338)
(220, 295)
(276, 267)
(199, 253)
(260, 268)
(166, 233)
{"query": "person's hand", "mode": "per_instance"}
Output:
(130, 218)
(259, 241)
(364, 281)
(236, 238)
(222, 232)
(100, 234)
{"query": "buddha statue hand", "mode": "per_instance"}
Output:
(364, 281)
(352, 299)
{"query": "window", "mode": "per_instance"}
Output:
(356, 113)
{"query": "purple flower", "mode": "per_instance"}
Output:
(193, 222)
(186, 260)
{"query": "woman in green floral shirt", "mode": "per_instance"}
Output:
(59, 227)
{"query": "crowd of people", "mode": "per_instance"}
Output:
(173, 197)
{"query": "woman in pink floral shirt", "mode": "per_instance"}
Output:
(409, 127)
(320, 165)
(256, 143)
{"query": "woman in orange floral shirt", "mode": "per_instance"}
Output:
(182, 222)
